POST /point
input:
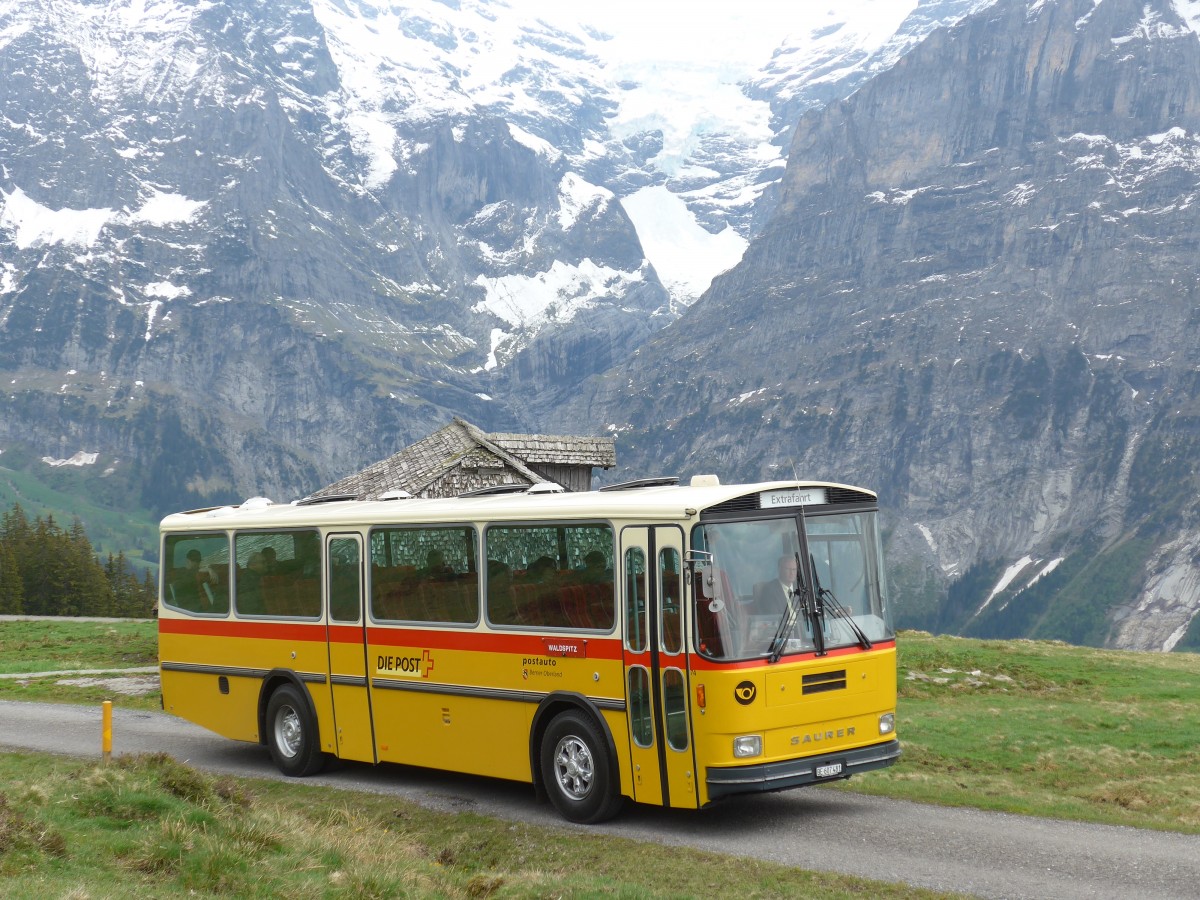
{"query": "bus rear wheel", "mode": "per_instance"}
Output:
(576, 770)
(292, 734)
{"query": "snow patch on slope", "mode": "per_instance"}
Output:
(34, 224)
(557, 295)
(685, 255)
(78, 459)
(1189, 11)
(1005, 580)
(163, 208)
(576, 196)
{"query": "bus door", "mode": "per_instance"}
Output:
(656, 666)
(347, 639)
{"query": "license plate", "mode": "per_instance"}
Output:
(829, 771)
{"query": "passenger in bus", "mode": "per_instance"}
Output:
(188, 585)
(502, 607)
(541, 570)
(771, 597)
(435, 567)
(595, 569)
(249, 587)
(270, 565)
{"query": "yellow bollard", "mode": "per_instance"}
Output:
(106, 732)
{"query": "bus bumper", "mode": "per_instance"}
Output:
(779, 776)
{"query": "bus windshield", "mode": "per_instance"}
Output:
(767, 587)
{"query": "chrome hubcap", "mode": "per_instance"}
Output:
(573, 767)
(287, 732)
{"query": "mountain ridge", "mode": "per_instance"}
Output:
(275, 255)
(985, 331)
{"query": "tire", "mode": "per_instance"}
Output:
(292, 733)
(576, 770)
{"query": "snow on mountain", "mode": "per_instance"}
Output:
(838, 41)
(424, 61)
(144, 47)
(677, 88)
(31, 223)
(721, 100)
(686, 256)
(553, 296)
(843, 45)
(1189, 11)
(682, 122)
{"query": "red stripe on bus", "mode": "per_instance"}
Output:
(699, 663)
(478, 641)
(279, 631)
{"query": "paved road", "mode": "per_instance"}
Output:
(964, 850)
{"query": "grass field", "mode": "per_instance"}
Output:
(33, 646)
(1030, 727)
(151, 827)
(1047, 729)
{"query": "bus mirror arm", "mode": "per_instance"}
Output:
(696, 559)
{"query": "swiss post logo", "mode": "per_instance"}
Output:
(404, 666)
(745, 692)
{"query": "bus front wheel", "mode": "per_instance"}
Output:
(576, 770)
(292, 734)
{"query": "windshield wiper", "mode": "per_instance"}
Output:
(825, 596)
(799, 600)
(775, 650)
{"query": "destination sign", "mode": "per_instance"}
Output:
(792, 497)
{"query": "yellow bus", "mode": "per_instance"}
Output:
(670, 644)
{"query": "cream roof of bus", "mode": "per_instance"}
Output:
(664, 502)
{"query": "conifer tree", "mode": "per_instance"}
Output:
(87, 592)
(11, 589)
(45, 570)
(150, 594)
(129, 594)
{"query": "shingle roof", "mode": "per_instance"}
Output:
(559, 448)
(462, 445)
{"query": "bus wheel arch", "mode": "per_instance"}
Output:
(568, 729)
(288, 725)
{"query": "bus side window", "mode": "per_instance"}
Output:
(277, 574)
(194, 568)
(556, 576)
(424, 574)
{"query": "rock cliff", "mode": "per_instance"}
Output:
(978, 294)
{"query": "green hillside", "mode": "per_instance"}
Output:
(100, 506)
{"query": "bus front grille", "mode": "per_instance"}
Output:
(819, 682)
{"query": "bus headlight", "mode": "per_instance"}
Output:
(747, 745)
(887, 723)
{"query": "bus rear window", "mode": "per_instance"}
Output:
(196, 573)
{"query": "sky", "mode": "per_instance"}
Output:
(743, 33)
(671, 30)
